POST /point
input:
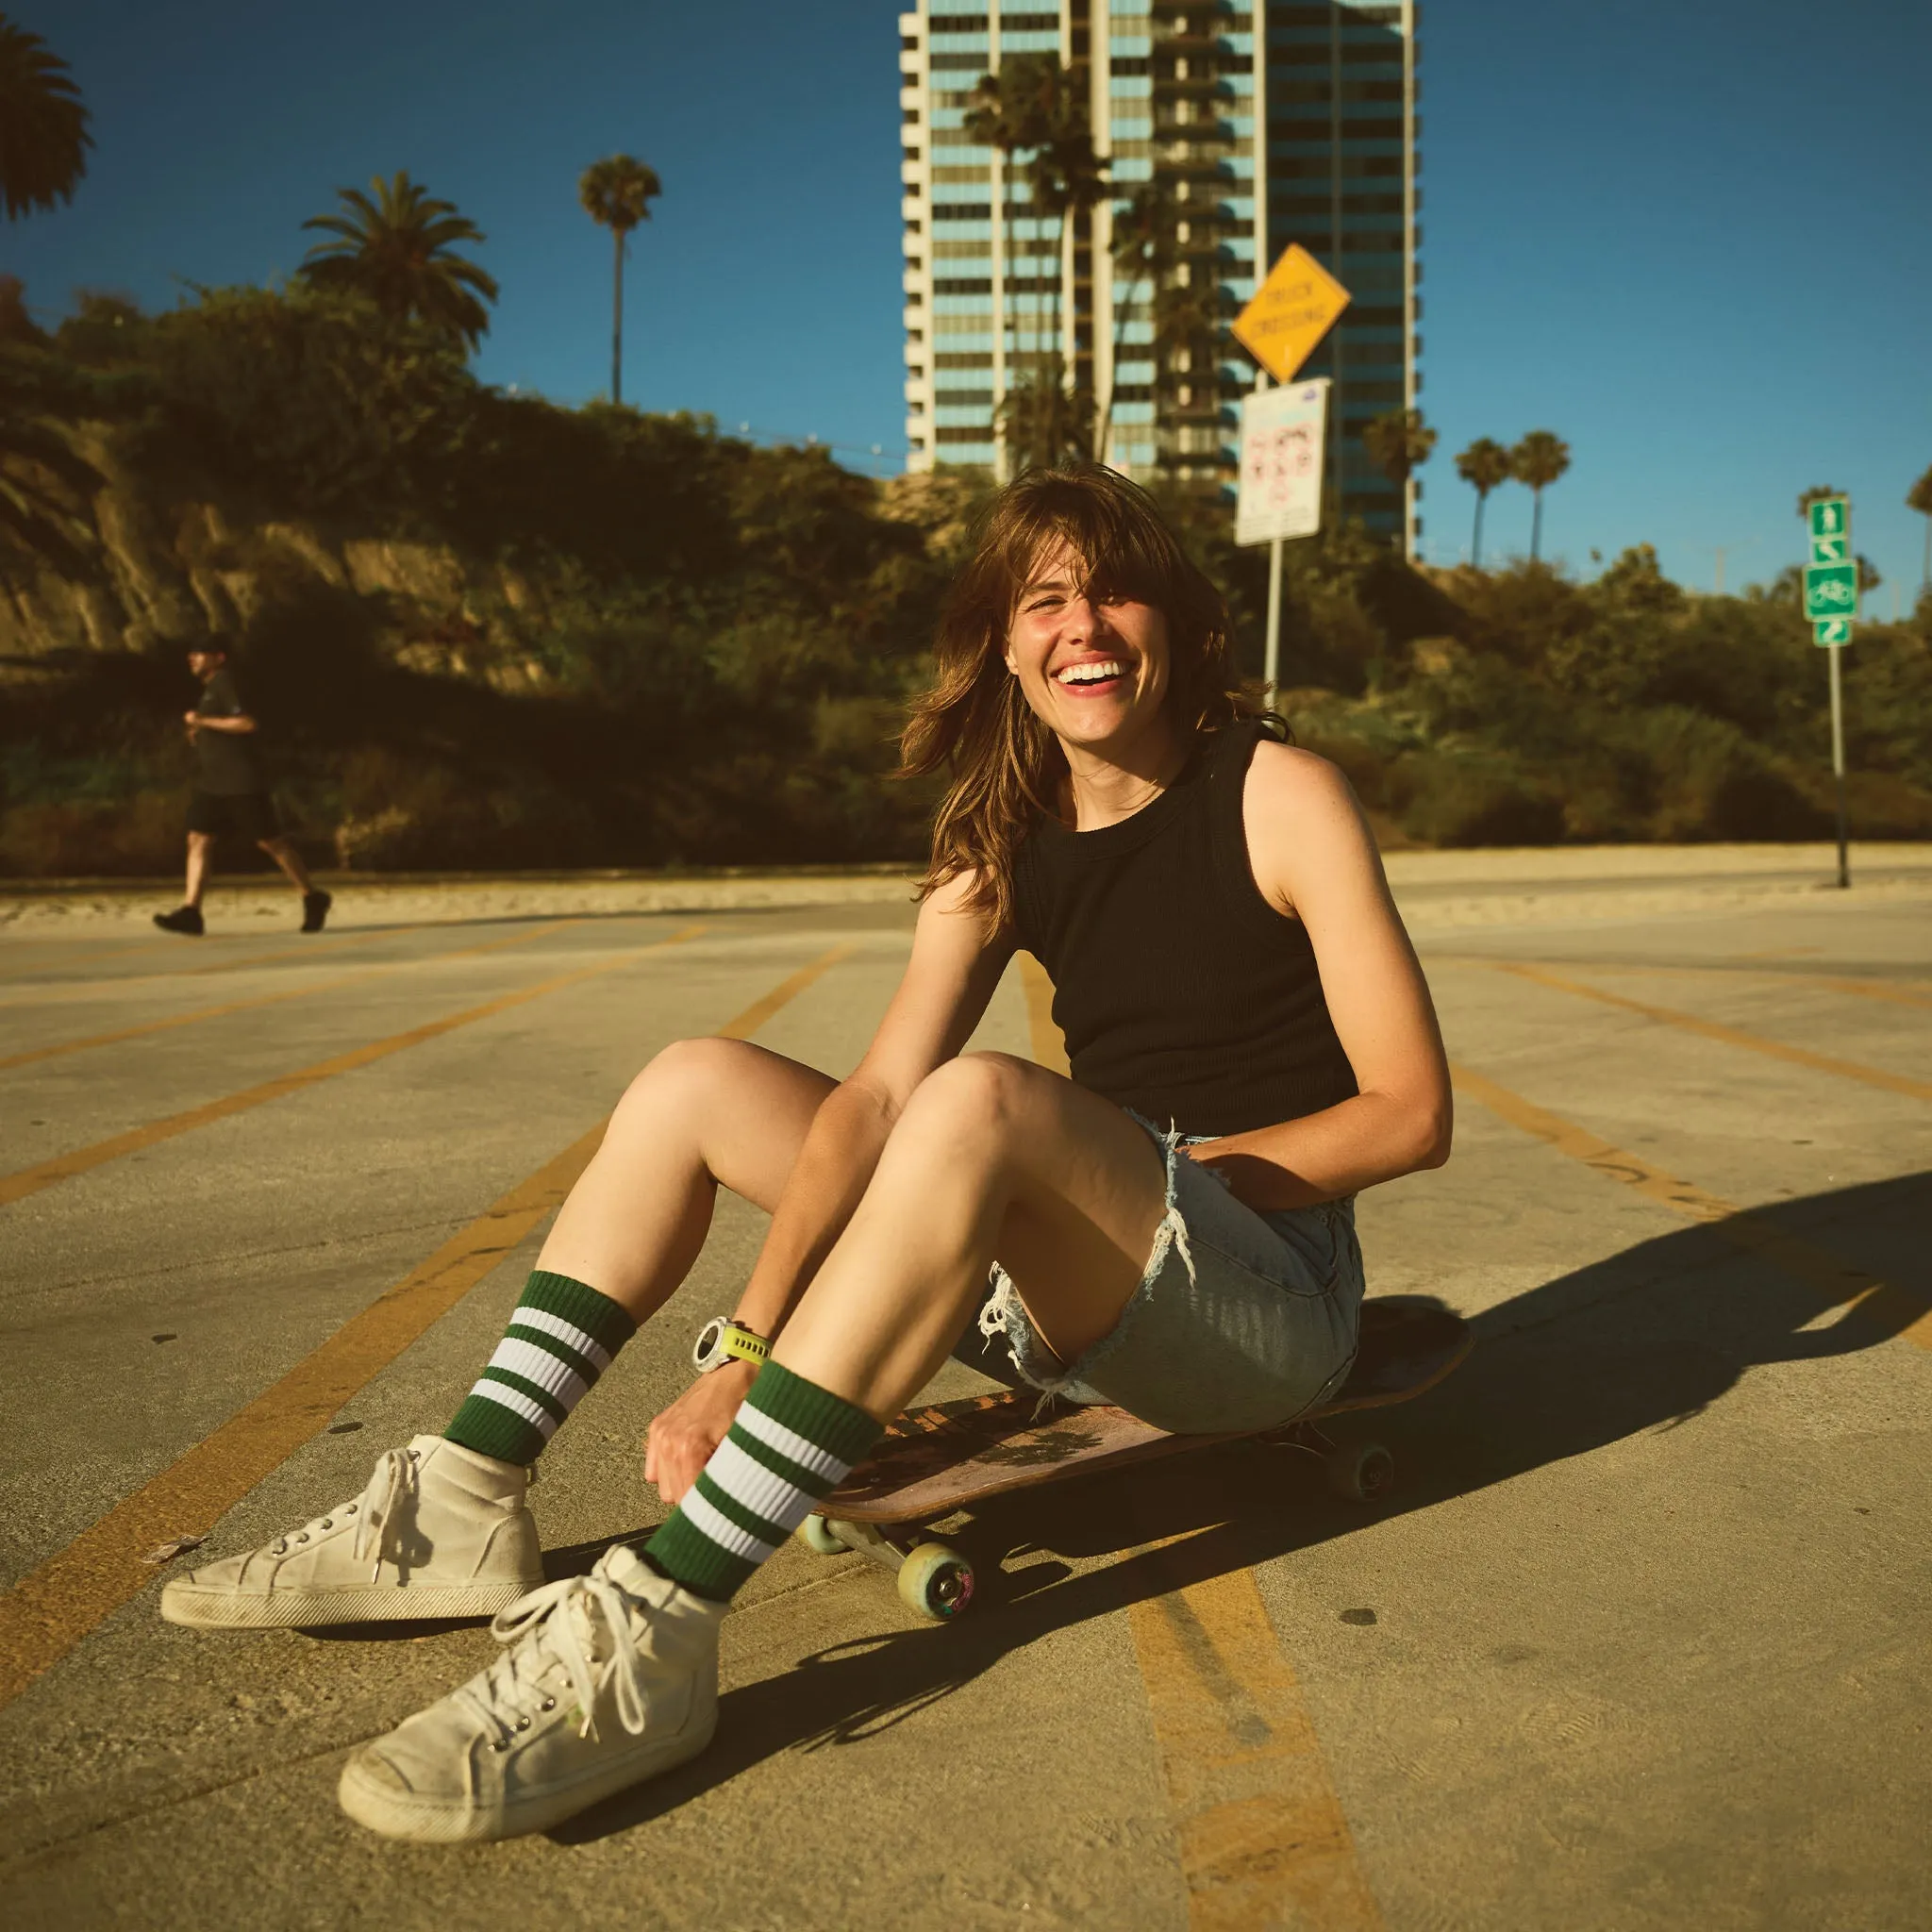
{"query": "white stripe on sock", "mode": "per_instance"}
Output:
(791, 1444)
(767, 1496)
(553, 1377)
(518, 1403)
(566, 1332)
(719, 1528)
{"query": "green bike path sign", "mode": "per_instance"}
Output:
(1831, 575)
(1831, 589)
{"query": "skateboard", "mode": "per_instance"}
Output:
(935, 1460)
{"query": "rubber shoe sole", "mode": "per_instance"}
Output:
(374, 1796)
(308, 1609)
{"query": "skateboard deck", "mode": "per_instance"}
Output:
(937, 1460)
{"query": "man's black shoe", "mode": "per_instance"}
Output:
(183, 919)
(314, 910)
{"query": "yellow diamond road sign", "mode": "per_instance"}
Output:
(1290, 312)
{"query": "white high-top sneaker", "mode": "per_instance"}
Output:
(611, 1678)
(440, 1531)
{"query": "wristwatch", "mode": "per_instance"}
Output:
(721, 1339)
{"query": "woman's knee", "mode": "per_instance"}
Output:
(686, 1074)
(971, 1102)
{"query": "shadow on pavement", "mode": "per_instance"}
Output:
(1644, 1339)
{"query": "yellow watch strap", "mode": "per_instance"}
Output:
(743, 1344)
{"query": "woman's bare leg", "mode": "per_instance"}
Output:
(992, 1157)
(704, 1113)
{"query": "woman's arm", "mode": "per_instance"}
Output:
(947, 984)
(948, 981)
(1314, 857)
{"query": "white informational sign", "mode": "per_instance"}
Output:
(1283, 434)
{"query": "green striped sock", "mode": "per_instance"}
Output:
(793, 1444)
(559, 1340)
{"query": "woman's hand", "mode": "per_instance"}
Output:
(680, 1439)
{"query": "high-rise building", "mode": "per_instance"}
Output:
(1265, 122)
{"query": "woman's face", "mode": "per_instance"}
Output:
(1094, 669)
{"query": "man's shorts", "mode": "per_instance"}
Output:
(234, 815)
(1243, 1319)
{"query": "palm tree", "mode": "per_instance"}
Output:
(1397, 442)
(1143, 247)
(1485, 466)
(616, 194)
(396, 252)
(1036, 108)
(1187, 327)
(1537, 460)
(43, 136)
(1068, 179)
(1919, 498)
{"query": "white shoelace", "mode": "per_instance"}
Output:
(376, 1512)
(554, 1624)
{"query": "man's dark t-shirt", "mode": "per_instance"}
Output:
(228, 761)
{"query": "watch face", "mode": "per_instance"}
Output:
(705, 1352)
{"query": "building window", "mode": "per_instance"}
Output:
(911, 154)
(908, 117)
(956, 359)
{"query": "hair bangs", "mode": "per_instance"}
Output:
(974, 721)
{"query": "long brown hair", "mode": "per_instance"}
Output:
(975, 723)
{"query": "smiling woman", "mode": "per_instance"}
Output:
(1171, 1229)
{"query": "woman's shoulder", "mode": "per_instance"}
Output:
(1302, 819)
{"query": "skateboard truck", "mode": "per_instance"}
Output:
(934, 1579)
(1358, 1471)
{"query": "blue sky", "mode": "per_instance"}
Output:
(1695, 240)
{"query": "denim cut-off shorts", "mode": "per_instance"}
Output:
(1243, 1319)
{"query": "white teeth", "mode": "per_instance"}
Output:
(1091, 673)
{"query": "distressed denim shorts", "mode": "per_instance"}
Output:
(1243, 1319)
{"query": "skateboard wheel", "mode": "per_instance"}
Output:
(818, 1536)
(936, 1581)
(1361, 1472)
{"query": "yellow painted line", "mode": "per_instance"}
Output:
(755, 1015)
(56, 1605)
(1263, 1838)
(30, 1180)
(1905, 993)
(1049, 1048)
(1263, 1841)
(273, 999)
(1729, 1036)
(1832, 1279)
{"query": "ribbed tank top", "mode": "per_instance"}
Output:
(1182, 993)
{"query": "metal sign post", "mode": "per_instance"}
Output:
(1282, 436)
(1831, 601)
(1281, 467)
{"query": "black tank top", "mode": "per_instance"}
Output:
(1182, 993)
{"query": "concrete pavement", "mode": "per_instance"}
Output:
(1640, 1639)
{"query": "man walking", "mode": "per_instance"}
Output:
(230, 797)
